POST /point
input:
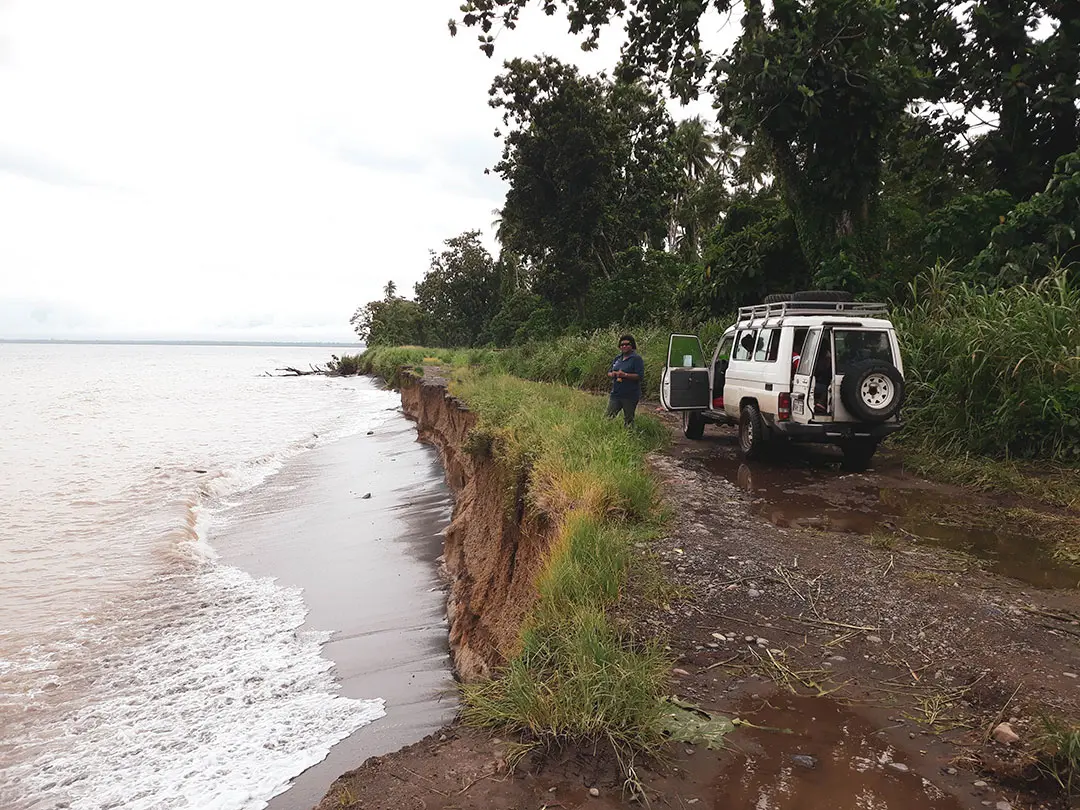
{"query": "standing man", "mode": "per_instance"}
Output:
(627, 372)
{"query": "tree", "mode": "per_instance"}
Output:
(591, 173)
(393, 321)
(819, 83)
(1028, 85)
(460, 292)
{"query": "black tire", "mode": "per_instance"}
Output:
(857, 454)
(778, 298)
(752, 432)
(872, 391)
(830, 296)
(693, 424)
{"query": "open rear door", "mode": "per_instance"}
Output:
(685, 385)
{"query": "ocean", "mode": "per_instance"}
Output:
(168, 516)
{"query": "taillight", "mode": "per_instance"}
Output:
(783, 407)
(718, 403)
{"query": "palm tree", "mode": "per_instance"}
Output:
(696, 147)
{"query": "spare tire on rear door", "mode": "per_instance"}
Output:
(872, 390)
(830, 296)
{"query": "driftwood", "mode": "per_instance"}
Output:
(295, 372)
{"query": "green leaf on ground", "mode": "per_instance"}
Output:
(685, 722)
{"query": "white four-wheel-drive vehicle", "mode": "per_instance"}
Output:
(806, 367)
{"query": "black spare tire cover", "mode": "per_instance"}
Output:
(872, 390)
(830, 296)
(778, 298)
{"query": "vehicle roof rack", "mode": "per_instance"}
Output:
(853, 309)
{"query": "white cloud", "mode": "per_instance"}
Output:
(229, 167)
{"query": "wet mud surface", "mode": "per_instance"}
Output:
(824, 755)
(805, 489)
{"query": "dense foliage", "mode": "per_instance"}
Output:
(857, 143)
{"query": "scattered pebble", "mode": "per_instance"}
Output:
(911, 735)
(951, 771)
(980, 784)
(678, 671)
(900, 767)
(1002, 806)
(874, 639)
(753, 594)
(1005, 735)
(762, 642)
(805, 761)
(750, 638)
(594, 792)
(365, 496)
(553, 788)
(1069, 674)
(838, 659)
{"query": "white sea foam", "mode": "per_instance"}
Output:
(219, 708)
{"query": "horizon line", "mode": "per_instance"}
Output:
(184, 342)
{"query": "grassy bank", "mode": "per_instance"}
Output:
(575, 678)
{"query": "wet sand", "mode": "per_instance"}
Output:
(369, 573)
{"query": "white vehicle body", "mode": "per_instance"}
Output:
(779, 371)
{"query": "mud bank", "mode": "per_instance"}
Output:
(493, 545)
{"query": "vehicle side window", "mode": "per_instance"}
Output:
(768, 346)
(723, 353)
(808, 351)
(856, 345)
(744, 347)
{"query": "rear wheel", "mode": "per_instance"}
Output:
(857, 454)
(693, 424)
(752, 435)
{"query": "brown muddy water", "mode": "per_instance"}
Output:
(831, 758)
(807, 491)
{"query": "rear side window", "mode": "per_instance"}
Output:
(857, 345)
(723, 353)
(744, 346)
(768, 346)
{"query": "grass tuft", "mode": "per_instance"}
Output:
(1058, 753)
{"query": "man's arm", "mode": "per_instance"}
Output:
(636, 374)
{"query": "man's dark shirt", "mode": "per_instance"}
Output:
(631, 364)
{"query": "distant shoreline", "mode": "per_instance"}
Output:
(149, 342)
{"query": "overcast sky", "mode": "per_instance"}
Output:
(238, 169)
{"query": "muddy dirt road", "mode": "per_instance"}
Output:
(874, 629)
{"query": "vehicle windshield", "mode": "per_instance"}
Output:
(857, 345)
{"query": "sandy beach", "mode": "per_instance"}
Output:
(368, 567)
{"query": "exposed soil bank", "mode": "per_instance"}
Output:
(493, 546)
(888, 661)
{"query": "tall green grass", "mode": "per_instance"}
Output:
(993, 372)
(575, 677)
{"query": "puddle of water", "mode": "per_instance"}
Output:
(799, 496)
(851, 770)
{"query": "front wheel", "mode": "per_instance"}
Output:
(693, 424)
(752, 435)
(857, 454)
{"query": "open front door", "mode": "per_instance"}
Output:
(685, 383)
